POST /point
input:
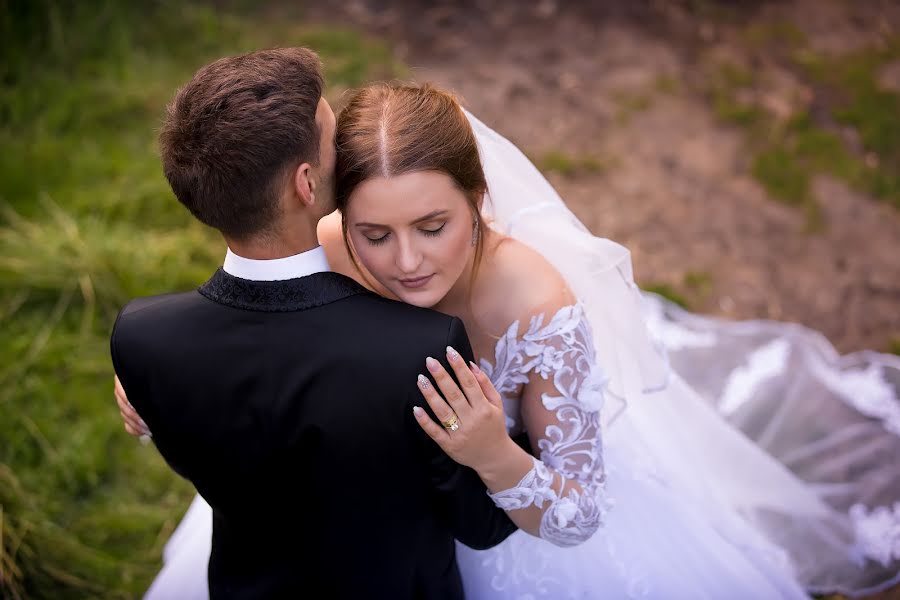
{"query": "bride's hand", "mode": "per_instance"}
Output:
(134, 424)
(481, 439)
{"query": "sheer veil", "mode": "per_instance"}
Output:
(523, 205)
(757, 422)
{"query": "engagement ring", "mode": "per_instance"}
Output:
(451, 424)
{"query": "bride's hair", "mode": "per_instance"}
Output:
(386, 130)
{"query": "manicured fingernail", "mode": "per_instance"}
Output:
(417, 411)
(432, 364)
(452, 354)
(475, 368)
(144, 425)
(129, 405)
(423, 382)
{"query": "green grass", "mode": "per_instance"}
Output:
(556, 161)
(856, 101)
(699, 283)
(86, 222)
(894, 346)
(666, 84)
(695, 286)
(766, 33)
(668, 292)
(787, 155)
(630, 104)
(727, 104)
(781, 174)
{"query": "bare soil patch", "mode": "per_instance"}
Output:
(623, 89)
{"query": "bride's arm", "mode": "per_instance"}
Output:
(558, 496)
(561, 411)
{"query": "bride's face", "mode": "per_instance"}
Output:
(413, 233)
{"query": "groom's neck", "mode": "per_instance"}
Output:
(272, 246)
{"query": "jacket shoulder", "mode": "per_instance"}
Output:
(383, 312)
(142, 318)
(155, 305)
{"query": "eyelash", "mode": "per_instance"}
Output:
(425, 232)
(433, 232)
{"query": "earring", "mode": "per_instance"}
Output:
(474, 231)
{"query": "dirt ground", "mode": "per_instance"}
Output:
(624, 84)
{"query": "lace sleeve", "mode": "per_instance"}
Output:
(561, 403)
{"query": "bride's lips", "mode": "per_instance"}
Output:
(415, 282)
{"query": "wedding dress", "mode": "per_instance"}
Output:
(716, 459)
(752, 440)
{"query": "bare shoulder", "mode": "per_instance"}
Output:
(332, 240)
(523, 284)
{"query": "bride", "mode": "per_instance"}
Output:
(758, 467)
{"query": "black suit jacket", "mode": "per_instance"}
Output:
(289, 406)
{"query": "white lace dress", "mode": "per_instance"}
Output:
(780, 445)
(620, 532)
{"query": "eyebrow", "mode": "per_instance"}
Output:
(432, 215)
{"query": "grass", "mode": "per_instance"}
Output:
(874, 113)
(569, 165)
(788, 155)
(666, 291)
(894, 346)
(695, 286)
(86, 222)
(767, 33)
(727, 83)
(631, 104)
(699, 283)
(666, 84)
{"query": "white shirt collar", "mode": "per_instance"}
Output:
(277, 269)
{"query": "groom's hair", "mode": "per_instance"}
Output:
(234, 135)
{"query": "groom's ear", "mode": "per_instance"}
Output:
(304, 184)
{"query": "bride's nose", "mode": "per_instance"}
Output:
(408, 256)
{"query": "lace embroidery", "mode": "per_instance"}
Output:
(535, 488)
(560, 352)
(877, 532)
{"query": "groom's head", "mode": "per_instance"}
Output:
(248, 144)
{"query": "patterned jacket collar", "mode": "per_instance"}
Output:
(280, 296)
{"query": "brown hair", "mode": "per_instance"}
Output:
(387, 130)
(234, 133)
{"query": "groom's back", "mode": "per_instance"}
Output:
(295, 423)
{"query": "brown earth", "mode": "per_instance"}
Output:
(625, 84)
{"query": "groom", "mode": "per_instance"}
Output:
(283, 391)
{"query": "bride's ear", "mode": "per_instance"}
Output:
(305, 184)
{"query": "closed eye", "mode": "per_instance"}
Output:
(430, 232)
(378, 241)
(427, 232)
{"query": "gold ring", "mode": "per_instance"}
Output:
(451, 424)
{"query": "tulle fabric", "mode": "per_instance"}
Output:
(759, 426)
(652, 545)
(830, 422)
(186, 557)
